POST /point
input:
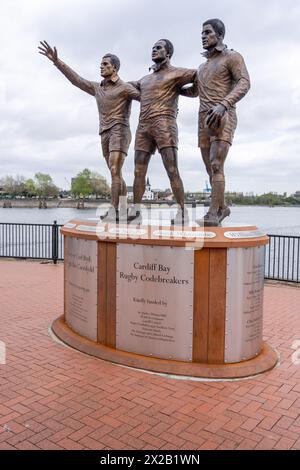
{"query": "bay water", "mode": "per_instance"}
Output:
(272, 220)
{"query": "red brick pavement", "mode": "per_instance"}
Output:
(52, 397)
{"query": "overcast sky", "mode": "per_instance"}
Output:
(48, 125)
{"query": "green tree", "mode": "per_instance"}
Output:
(30, 188)
(13, 186)
(8, 185)
(81, 184)
(99, 185)
(45, 186)
(87, 182)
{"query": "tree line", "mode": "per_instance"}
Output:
(85, 183)
(266, 199)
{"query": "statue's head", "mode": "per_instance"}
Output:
(110, 65)
(213, 33)
(162, 50)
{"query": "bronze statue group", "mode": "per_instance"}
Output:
(220, 82)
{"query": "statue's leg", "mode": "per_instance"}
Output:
(214, 153)
(204, 144)
(115, 163)
(170, 161)
(115, 144)
(124, 188)
(141, 162)
(218, 154)
(205, 152)
(144, 148)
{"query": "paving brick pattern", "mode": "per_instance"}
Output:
(52, 397)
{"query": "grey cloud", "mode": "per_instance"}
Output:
(48, 125)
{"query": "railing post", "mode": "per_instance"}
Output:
(54, 242)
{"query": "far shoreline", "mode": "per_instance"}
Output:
(56, 203)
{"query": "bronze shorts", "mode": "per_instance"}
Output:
(115, 139)
(204, 140)
(157, 133)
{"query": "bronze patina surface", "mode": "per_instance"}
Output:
(113, 97)
(157, 127)
(220, 83)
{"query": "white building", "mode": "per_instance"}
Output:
(148, 194)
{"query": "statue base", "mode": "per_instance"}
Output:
(176, 300)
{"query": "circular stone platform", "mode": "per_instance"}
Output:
(184, 301)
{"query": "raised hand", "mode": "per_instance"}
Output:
(46, 50)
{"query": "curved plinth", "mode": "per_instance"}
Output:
(184, 301)
(265, 361)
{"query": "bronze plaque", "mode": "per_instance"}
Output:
(155, 301)
(81, 286)
(244, 303)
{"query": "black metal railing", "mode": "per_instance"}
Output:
(44, 241)
(32, 241)
(282, 258)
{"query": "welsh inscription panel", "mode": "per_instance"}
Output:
(81, 286)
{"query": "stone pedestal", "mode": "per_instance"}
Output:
(180, 301)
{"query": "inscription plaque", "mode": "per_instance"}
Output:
(89, 228)
(183, 234)
(244, 303)
(127, 231)
(244, 234)
(155, 301)
(81, 286)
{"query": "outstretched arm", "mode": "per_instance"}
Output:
(74, 78)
